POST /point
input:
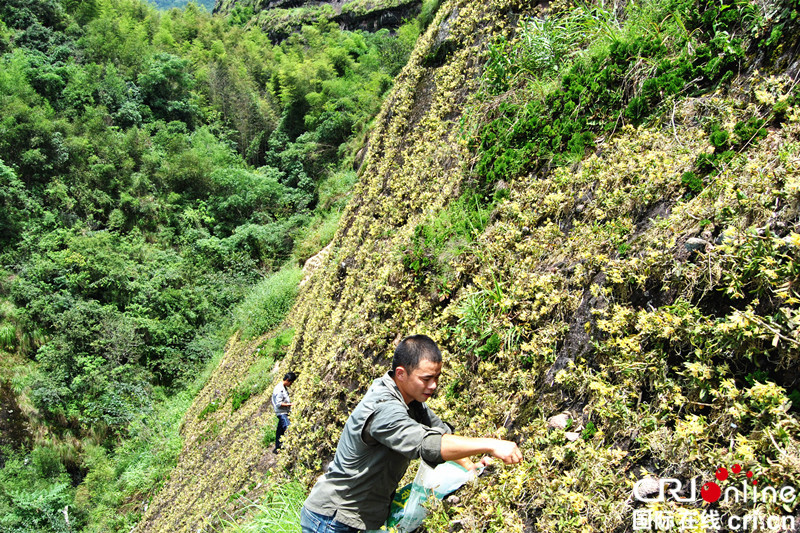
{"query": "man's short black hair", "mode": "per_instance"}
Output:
(290, 377)
(414, 349)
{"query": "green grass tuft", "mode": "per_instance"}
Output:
(278, 512)
(269, 302)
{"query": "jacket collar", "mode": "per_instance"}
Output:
(387, 380)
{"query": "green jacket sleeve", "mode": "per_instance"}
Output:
(392, 426)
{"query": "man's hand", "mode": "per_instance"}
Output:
(456, 447)
(507, 451)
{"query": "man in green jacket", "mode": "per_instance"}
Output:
(389, 427)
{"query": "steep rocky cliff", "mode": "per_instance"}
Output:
(605, 290)
(623, 315)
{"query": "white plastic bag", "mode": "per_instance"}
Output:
(408, 508)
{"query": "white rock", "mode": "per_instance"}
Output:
(648, 485)
(696, 245)
(559, 421)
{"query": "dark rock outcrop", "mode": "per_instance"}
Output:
(13, 425)
(289, 15)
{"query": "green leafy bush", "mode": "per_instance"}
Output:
(444, 236)
(211, 408)
(692, 182)
(270, 430)
(34, 490)
(137, 466)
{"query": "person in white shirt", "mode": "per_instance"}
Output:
(282, 406)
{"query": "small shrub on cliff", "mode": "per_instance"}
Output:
(444, 236)
(690, 180)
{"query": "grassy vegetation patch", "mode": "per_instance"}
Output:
(443, 237)
(551, 99)
(209, 409)
(279, 23)
(262, 373)
(277, 512)
(334, 192)
(364, 7)
(268, 303)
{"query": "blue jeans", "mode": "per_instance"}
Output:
(283, 423)
(311, 522)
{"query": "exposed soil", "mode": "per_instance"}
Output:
(13, 424)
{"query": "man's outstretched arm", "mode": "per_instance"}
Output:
(456, 447)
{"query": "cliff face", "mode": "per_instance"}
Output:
(364, 299)
(225, 6)
(615, 318)
(604, 315)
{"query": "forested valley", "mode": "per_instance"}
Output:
(163, 177)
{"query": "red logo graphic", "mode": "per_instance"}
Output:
(712, 492)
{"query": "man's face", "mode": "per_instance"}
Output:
(420, 383)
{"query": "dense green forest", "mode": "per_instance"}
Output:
(163, 175)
